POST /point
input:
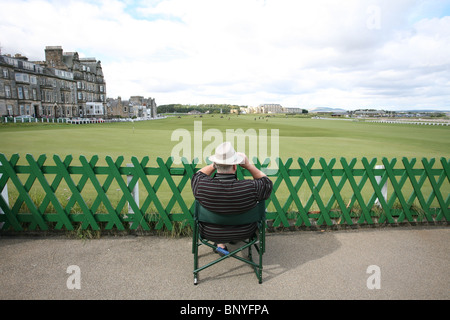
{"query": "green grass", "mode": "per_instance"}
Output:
(298, 137)
(306, 138)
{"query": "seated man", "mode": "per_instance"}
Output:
(225, 194)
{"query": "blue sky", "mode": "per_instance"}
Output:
(430, 9)
(345, 54)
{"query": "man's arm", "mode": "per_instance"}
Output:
(207, 170)
(254, 171)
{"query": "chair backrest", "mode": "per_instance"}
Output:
(256, 214)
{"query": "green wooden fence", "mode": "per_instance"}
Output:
(52, 195)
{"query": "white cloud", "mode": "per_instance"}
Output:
(347, 54)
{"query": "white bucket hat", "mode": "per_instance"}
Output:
(225, 154)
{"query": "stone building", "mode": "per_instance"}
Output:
(20, 86)
(136, 106)
(63, 85)
(88, 75)
(118, 108)
(266, 108)
(272, 108)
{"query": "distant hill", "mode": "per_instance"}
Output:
(326, 109)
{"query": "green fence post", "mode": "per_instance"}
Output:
(281, 216)
(11, 218)
(315, 189)
(436, 188)
(137, 214)
(89, 219)
(417, 187)
(23, 189)
(377, 189)
(176, 192)
(293, 196)
(4, 201)
(336, 192)
(397, 186)
(113, 217)
(151, 191)
(50, 193)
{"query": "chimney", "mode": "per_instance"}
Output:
(54, 57)
(20, 57)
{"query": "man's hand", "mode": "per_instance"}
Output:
(255, 172)
(245, 162)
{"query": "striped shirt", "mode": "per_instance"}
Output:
(226, 195)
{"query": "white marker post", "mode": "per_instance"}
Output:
(383, 189)
(4, 194)
(134, 193)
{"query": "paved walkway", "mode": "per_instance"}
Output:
(413, 264)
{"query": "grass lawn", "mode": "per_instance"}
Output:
(298, 137)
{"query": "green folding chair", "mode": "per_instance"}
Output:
(257, 214)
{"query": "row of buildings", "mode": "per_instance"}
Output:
(272, 108)
(136, 106)
(62, 86)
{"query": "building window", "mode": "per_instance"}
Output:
(20, 92)
(25, 91)
(8, 91)
(22, 77)
(5, 73)
(28, 65)
(34, 94)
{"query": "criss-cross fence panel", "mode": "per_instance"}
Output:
(45, 194)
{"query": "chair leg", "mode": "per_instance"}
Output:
(261, 249)
(195, 265)
(195, 278)
(195, 252)
(256, 265)
(261, 252)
